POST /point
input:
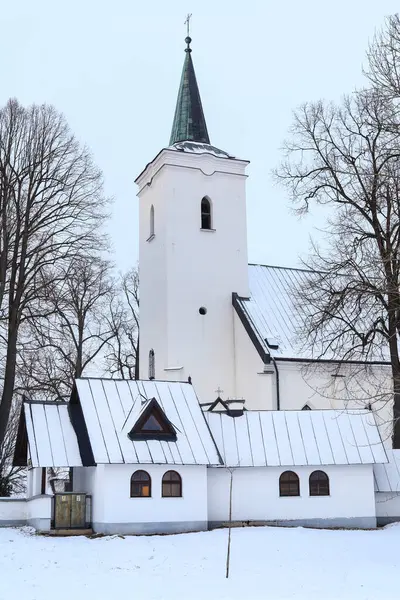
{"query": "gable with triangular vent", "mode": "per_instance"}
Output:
(153, 424)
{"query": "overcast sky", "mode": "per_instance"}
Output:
(113, 68)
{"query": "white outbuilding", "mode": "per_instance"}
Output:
(145, 458)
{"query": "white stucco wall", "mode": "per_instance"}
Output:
(316, 385)
(39, 512)
(114, 511)
(90, 480)
(256, 496)
(387, 507)
(184, 268)
(34, 482)
(251, 383)
(13, 511)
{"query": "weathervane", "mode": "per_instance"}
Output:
(187, 23)
(188, 38)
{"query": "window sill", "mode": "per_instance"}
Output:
(265, 372)
(171, 497)
(140, 497)
(153, 235)
(209, 230)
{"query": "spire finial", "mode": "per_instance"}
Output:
(189, 123)
(188, 39)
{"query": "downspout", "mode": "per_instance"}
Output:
(278, 394)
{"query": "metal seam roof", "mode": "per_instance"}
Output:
(275, 312)
(107, 422)
(51, 437)
(298, 438)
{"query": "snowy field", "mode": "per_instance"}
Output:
(268, 563)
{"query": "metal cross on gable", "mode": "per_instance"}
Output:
(187, 23)
(219, 391)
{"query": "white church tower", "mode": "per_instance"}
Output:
(192, 253)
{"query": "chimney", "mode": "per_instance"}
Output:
(235, 407)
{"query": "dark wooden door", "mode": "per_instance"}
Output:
(70, 511)
(78, 511)
(62, 519)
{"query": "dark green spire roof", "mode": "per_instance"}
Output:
(189, 122)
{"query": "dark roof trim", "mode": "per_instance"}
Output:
(125, 380)
(336, 361)
(20, 458)
(264, 355)
(47, 402)
(216, 402)
(234, 401)
(78, 423)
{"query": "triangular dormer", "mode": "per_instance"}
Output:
(153, 424)
(218, 406)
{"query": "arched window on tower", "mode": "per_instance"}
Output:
(206, 213)
(151, 221)
(152, 364)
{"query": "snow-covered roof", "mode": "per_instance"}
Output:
(274, 311)
(297, 438)
(51, 436)
(111, 407)
(387, 475)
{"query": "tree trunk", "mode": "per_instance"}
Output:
(396, 406)
(9, 380)
(137, 359)
(395, 364)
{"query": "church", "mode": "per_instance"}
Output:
(232, 418)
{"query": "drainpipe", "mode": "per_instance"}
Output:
(278, 395)
(278, 392)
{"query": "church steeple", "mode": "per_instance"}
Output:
(189, 122)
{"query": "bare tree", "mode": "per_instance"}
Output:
(123, 353)
(383, 69)
(348, 158)
(51, 208)
(75, 332)
(12, 479)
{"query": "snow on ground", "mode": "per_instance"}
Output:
(266, 563)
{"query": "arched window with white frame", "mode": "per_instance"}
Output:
(206, 217)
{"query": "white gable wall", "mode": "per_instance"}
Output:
(256, 497)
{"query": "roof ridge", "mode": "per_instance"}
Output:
(129, 380)
(282, 268)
